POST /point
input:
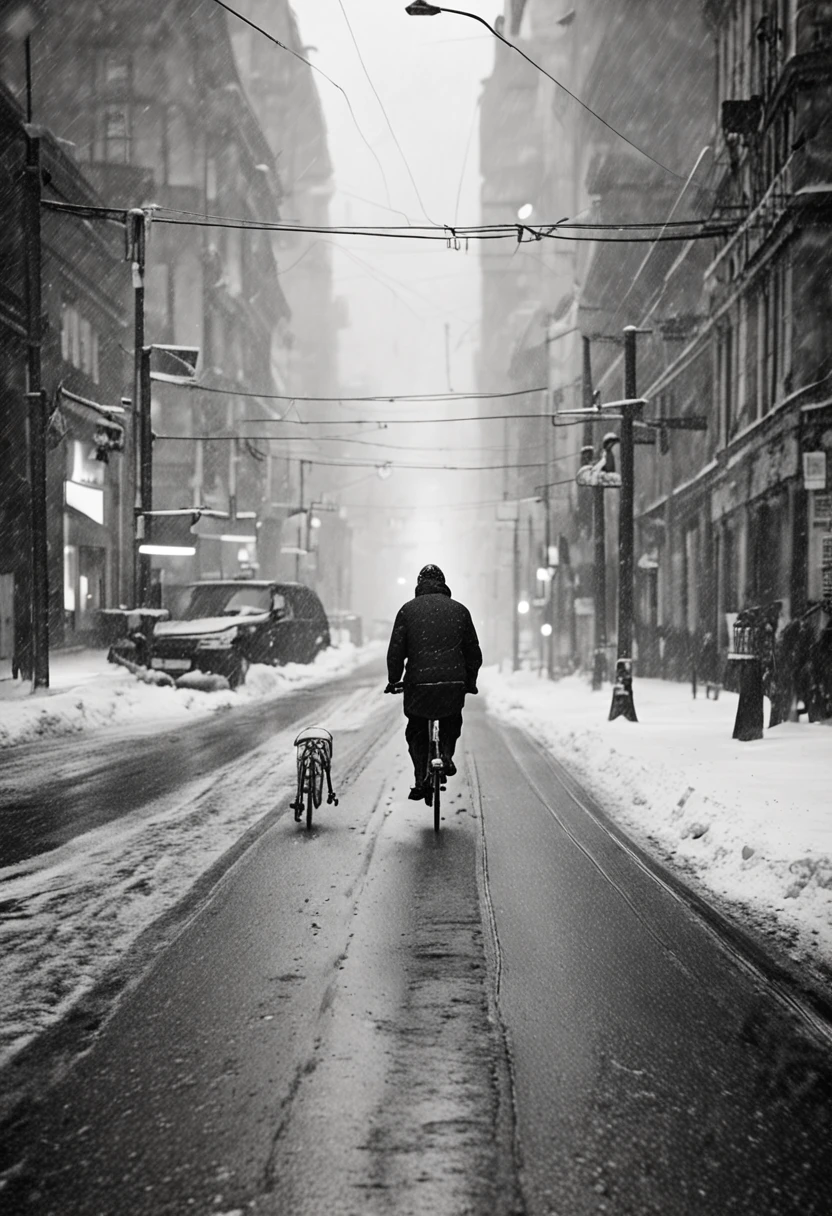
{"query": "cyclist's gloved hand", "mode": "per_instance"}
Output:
(390, 688)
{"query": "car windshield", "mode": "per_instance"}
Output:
(218, 599)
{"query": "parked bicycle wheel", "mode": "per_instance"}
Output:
(311, 777)
(317, 778)
(437, 785)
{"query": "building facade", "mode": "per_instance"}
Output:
(83, 324)
(151, 107)
(730, 96)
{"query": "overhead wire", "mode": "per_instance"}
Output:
(359, 464)
(381, 398)
(512, 46)
(384, 112)
(453, 235)
(320, 72)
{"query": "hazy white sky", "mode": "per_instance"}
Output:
(401, 294)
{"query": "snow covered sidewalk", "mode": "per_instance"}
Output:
(749, 824)
(86, 692)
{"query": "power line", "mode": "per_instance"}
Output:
(381, 107)
(452, 506)
(396, 421)
(568, 92)
(358, 464)
(314, 68)
(398, 447)
(381, 398)
(453, 235)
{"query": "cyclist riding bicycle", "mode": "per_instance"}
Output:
(435, 636)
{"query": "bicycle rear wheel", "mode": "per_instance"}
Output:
(437, 785)
(317, 781)
(310, 795)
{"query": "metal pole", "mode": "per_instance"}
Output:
(515, 635)
(36, 398)
(549, 611)
(145, 476)
(586, 388)
(300, 527)
(599, 667)
(599, 659)
(137, 248)
(622, 693)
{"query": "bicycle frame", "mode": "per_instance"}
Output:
(313, 764)
(435, 776)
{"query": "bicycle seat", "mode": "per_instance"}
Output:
(317, 734)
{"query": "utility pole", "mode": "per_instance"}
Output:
(300, 525)
(137, 253)
(36, 397)
(145, 477)
(622, 693)
(515, 635)
(549, 608)
(599, 535)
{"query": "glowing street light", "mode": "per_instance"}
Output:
(523, 607)
(546, 630)
(525, 211)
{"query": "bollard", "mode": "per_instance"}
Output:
(748, 723)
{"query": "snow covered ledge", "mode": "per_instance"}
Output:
(748, 823)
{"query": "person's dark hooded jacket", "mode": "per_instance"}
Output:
(436, 637)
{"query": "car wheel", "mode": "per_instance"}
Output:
(237, 675)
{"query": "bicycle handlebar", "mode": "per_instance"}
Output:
(428, 684)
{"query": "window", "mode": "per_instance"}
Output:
(79, 341)
(115, 70)
(116, 149)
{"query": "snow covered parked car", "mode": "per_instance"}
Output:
(226, 625)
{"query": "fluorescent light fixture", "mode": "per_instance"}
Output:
(239, 540)
(168, 550)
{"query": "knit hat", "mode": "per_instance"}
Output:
(430, 574)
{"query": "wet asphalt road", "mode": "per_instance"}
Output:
(51, 792)
(317, 1037)
(654, 1072)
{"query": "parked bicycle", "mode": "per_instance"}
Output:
(435, 779)
(314, 758)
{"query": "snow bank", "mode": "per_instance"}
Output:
(89, 693)
(73, 912)
(747, 823)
